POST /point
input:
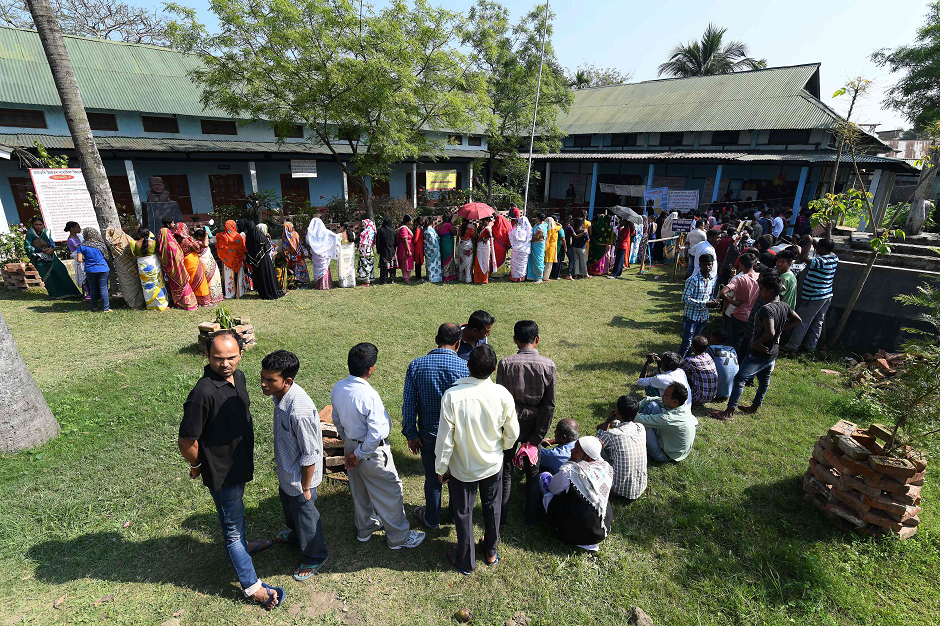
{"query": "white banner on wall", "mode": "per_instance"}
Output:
(63, 197)
(656, 200)
(683, 200)
(303, 168)
(635, 191)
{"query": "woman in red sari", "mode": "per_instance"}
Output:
(290, 245)
(406, 251)
(230, 245)
(177, 279)
(484, 261)
(194, 267)
(419, 247)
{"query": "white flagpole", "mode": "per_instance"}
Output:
(535, 111)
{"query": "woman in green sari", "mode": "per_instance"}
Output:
(602, 237)
(40, 249)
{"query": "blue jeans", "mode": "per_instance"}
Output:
(231, 510)
(432, 485)
(98, 287)
(652, 441)
(751, 367)
(690, 328)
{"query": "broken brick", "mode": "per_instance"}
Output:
(825, 474)
(818, 450)
(885, 367)
(854, 468)
(907, 532)
(897, 510)
(896, 468)
(850, 482)
(874, 516)
(868, 440)
(815, 500)
(811, 484)
(845, 513)
(834, 460)
(881, 432)
(851, 448)
(842, 427)
(853, 499)
(917, 479)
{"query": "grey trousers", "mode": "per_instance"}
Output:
(462, 498)
(577, 261)
(377, 495)
(813, 314)
(303, 519)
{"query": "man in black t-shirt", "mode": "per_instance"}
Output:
(773, 319)
(217, 438)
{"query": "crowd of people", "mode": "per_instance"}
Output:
(472, 431)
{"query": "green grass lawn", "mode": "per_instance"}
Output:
(722, 538)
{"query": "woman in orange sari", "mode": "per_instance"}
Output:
(484, 261)
(171, 257)
(230, 244)
(290, 245)
(194, 267)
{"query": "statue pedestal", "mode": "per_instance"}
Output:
(156, 211)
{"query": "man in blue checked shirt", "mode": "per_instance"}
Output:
(426, 380)
(696, 298)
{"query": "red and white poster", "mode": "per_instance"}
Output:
(63, 197)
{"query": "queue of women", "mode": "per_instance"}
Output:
(176, 267)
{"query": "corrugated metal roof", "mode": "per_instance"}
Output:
(181, 144)
(772, 98)
(755, 156)
(111, 75)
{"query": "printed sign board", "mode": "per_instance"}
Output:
(682, 225)
(441, 180)
(635, 191)
(63, 197)
(659, 197)
(303, 168)
(684, 200)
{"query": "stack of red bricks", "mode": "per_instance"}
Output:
(242, 326)
(852, 482)
(334, 457)
(21, 276)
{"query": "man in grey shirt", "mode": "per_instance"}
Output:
(298, 453)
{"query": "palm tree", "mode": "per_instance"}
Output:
(709, 57)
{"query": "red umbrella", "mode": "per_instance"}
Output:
(475, 211)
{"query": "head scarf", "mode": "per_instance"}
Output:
(521, 236)
(551, 224)
(321, 241)
(290, 241)
(92, 239)
(666, 231)
(257, 245)
(118, 239)
(231, 246)
(367, 237)
(592, 476)
(187, 243)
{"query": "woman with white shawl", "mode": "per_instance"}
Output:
(666, 232)
(323, 246)
(521, 239)
(577, 498)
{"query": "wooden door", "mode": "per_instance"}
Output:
(380, 189)
(227, 189)
(178, 186)
(295, 193)
(21, 187)
(121, 192)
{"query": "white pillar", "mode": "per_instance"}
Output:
(4, 226)
(470, 180)
(345, 188)
(254, 176)
(135, 193)
(548, 179)
(414, 185)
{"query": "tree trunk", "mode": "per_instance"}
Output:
(835, 166)
(918, 215)
(489, 179)
(64, 76)
(26, 420)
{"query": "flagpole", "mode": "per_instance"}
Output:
(535, 111)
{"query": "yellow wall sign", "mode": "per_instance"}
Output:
(441, 180)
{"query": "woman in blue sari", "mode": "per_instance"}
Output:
(537, 251)
(432, 252)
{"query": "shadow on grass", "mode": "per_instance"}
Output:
(765, 538)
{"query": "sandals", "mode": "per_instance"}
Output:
(308, 571)
(718, 415)
(483, 552)
(283, 536)
(274, 594)
(261, 547)
(452, 557)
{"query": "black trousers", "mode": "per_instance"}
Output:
(532, 505)
(303, 519)
(386, 275)
(556, 269)
(417, 274)
(463, 496)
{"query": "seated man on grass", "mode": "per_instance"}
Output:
(700, 369)
(669, 372)
(624, 448)
(670, 425)
(566, 435)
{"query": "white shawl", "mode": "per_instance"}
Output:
(520, 237)
(321, 241)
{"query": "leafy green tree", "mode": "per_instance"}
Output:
(709, 56)
(589, 75)
(374, 87)
(507, 56)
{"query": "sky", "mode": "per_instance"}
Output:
(637, 36)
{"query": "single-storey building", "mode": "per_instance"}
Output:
(761, 134)
(148, 120)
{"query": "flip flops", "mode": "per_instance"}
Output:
(308, 571)
(274, 593)
(452, 557)
(264, 545)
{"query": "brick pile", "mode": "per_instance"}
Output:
(334, 458)
(877, 369)
(242, 327)
(853, 483)
(21, 276)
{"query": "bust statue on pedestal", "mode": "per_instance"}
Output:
(159, 205)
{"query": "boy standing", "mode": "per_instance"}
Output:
(785, 259)
(696, 297)
(298, 453)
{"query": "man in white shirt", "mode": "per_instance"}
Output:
(478, 422)
(776, 228)
(670, 373)
(705, 247)
(363, 423)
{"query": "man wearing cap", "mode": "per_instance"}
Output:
(577, 498)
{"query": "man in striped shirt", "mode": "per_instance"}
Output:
(816, 295)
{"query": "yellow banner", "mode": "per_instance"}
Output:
(441, 180)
